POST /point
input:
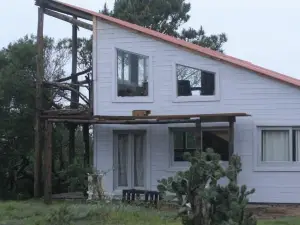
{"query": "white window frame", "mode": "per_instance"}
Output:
(215, 97)
(130, 133)
(175, 165)
(284, 166)
(133, 99)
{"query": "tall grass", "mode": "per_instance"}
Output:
(70, 213)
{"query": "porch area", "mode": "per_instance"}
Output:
(132, 176)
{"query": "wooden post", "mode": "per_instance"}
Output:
(199, 146)
(74, 95)
(74, 80)
(86, 139)
(91, 93)
(39, 81)
(231, 136)
(48, 163)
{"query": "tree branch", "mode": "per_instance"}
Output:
(69, 99)
(72, 75)
(67, 87)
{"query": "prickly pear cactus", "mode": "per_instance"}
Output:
(201, 199)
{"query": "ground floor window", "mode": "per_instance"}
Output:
(129, 159)
(279, 144)
(185, 141)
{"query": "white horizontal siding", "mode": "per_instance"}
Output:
(268, 101)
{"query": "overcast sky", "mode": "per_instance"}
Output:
(265, 32)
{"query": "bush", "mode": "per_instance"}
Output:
(201, 199)
(72, 179)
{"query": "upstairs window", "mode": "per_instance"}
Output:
(132, 74)
(194, 82)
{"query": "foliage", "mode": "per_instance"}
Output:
(62, 216)
(201, 199)
(165, 16)
(37, 213)
(84, 47)
(71, 179)
(64, 213)
(17, 108)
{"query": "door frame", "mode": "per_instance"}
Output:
(147, 158)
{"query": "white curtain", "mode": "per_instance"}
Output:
(122, 160)
(297, 144)
(139, 160)
(275, 146)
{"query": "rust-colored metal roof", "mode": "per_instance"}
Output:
(200, 50)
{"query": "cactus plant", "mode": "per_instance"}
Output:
(202, 200)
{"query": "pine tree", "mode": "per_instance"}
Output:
(165, 16)
(201, 199)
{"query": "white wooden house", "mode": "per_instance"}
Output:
(137, 68)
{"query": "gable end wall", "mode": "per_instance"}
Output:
(268, 101)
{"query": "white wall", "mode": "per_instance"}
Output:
(268, 101)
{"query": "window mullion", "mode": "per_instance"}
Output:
(184, 142)
(291, 146)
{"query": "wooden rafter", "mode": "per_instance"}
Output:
(69, 19)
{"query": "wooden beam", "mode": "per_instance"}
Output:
(60, 7)
(48, 163)
(83, 121)
(231, 137)
(69, 19)
(38, 102)
(86, 139)
(204, 117)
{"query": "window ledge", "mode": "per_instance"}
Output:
(278, 167)
(177, 168)
(132, 100)
(196, 99)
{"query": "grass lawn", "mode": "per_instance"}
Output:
(36, 213)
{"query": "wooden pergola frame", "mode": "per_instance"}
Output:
(196, 119)
(75, 115)
(75, 18)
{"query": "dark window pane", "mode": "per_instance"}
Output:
(186, 142)
(179, 154)
(179, 139)
(218, 141)
(190, 140)
(191, 81)
(207, 83)
(132, 74)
